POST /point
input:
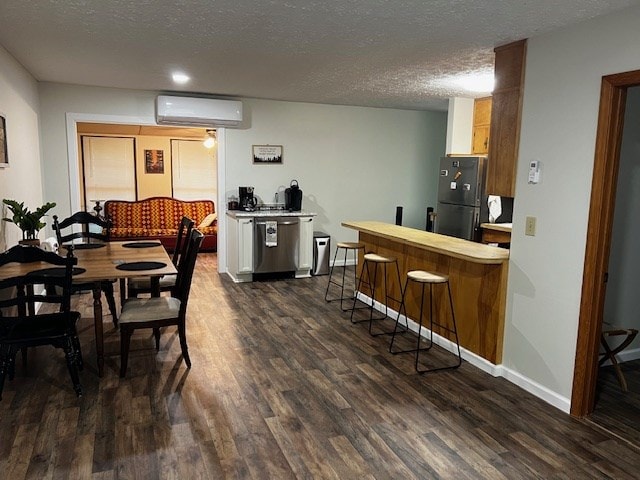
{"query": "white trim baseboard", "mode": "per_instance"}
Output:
(527, 384)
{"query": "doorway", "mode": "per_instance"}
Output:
(75, 194)
(613, 98)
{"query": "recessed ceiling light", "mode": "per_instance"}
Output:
(180, 78)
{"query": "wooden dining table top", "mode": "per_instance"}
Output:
(100, 263)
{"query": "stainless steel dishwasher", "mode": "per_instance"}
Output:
(283, 257)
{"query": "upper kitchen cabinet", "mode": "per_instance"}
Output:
(506, 112)
(481, 125)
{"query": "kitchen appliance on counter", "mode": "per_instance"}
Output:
(248, 201)
(460, 196)
(293, 197)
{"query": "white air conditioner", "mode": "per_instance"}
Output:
(200, 112)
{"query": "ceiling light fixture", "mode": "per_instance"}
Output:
(210, 140)
(180, 78)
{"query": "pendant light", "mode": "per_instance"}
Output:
(210, 140)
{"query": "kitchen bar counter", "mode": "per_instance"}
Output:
(477, 274)
(451, 246)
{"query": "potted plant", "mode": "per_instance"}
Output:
(27, 221)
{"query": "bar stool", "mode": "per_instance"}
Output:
(346, 246)
(375, 260)
(431, 279)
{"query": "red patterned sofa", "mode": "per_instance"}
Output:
(158, 218)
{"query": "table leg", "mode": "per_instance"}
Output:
(97, 320)
(155, 286)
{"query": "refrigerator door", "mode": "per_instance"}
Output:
(460, 180)
(457, 220)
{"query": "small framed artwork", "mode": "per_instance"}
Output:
(4, 155)
(154, 161)
(271, 154)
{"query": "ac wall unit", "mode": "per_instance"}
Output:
(198, 112)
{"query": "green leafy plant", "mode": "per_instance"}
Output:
(27, 221)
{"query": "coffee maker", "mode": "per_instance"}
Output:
(247, 200)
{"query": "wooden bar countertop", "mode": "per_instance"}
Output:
(477, 275)
(443, 244)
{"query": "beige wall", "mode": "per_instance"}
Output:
(153, 184)
(560, 111)
(22, 180)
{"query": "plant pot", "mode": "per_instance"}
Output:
(34, 242)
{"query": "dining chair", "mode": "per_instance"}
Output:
(157, 312)
(142, 285)
(88, 235)
(21, 326)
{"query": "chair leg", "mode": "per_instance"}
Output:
(4, 366)
(76, 346)
(123, 291)
(107, 288)
(71, 357)
(156, 335)
(23, 351)
(125, 340)
(329, 282)
(183, 343)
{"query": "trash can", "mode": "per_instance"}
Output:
(321, 250)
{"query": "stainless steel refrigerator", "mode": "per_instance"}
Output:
(460, 196)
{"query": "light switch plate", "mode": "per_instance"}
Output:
(530, 226)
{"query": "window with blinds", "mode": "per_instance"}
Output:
(109, 168)
(194, 170)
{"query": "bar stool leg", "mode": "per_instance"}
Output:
(326, 293)
(454, 330)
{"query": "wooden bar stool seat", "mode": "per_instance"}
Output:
(427, 278)
(609, 330)
(373, 260)
(346, 247)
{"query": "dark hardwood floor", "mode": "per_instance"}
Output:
(284, 386)
(618, 411)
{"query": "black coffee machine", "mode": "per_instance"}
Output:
(247, 200)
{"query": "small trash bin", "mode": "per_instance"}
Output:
(321, 250)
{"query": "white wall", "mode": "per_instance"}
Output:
(22, 180)
(560, 111)
(621, 301)
(352, 163)
(460, 125)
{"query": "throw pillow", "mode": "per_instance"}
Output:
(208, 220)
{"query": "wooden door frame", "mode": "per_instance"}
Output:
(613, 96)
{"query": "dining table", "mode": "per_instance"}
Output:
(100, 262)
(108, 261)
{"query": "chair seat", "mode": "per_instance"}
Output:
(44, 327)
(144, 283)
(352, 245)
(426, 277)
(374, 257)
(140, 310)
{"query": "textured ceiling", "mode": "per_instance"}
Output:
(380, 53)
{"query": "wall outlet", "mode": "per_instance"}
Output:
(530, 226)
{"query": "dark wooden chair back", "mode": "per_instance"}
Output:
(184, 233)
(21, 326)
(186, 268)
(84, 220)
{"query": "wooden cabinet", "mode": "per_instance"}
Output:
(506, 111)
(481, 125)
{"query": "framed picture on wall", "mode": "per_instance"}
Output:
(4, 155)
(271, 154)
(154, 161)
